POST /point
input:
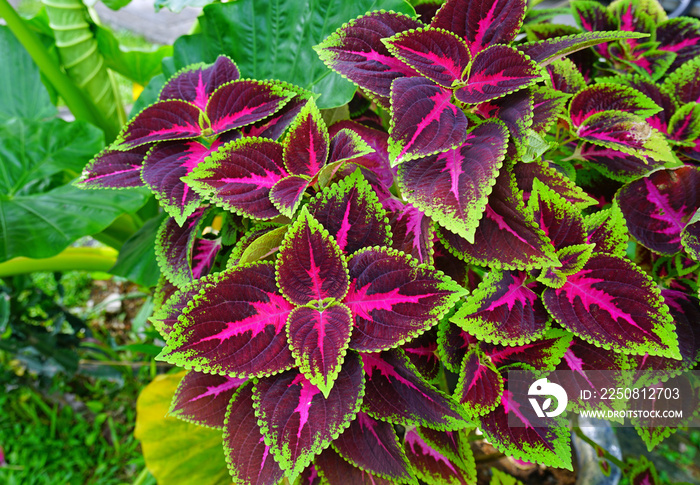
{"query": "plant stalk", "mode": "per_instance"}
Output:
(81, 107)
(70, 259)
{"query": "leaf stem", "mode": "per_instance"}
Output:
(70, 259)
(81, 107)
(606, 454)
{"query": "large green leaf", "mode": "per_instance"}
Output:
(138, 65)
(41, 225)
(176, 451)
(137, 257)
(178, 5)
(273, 39)
(22, 95)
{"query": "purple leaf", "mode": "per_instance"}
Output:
(197, 82)
(243, 102)
(495, 72)
(684, 82)
(166, 317)
(174, 246)
(560, 220)
(452, 444)
(306, 145)
(660, 97)
(681, 36)
(164, 120)
(412, 232)
(115, 169)
(422, 354)
(351, 213)
(287, 193)
(548, 445)
(546, 51)
(393, 298)
(526, 173)
(240, 315)
(311, 266)
(437, 54)
(515, 110)
(431, 466)
(616, 164)
(163, 168)
(274, 125)
(481, 23)
(338, 471)
(690, 237)
(395, 392)
(297, 421)
(202, 399)
(356, 51)
(452, 187)
(607, 97)
(564, 76)
(248, 457)
(239, 176)
(204, 254)
(658, 206)
(503, 309)
(543, 354)
(548, 104)
(592, 17)
(378, 160)
(607, 230)
(347, 145)
(572, 259)
(423, 119)
(627, 133)
(507, 236)
(373, 446)
(613, 303)
(318, 339)
(480, 385)
(684, 125)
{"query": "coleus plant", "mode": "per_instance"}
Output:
(349, 299)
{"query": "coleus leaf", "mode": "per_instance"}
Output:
(374, 447)
(396, 393)
(452, 444)
(261, 241)
(616, 164)
(422, 353)
(356, 52)
(351, 213)
(163, 168)
(503, 309)
(240, 314)
(548, 104)
(515, 110)
(202, 399)
(248, 456)
(681, 36)
(526, 173)
(560, 220)
(626, 133)
(544, 444)
(335, 470)
(690, 236)
(684, 125)
(431, 466)
(393, 298)
(564, 76)
(174, 245)
(297, 421)
(643, 472)
(347, 145)
(608, 97)
(412, 232)
(318, 338)
(311, 266)
(543, 354)
(480, 385)
(453, 344)
(614, 304)
(496, 71)
(592, 16)
(546, 51)
(452, 187)
(684, 82)
(274, 126)
(197, 82)
(165, 120)
(607, 230)
(507, 236)
(481, 23)
(239, 176)
(423, 119)
(287, 193)
(437, 54)
(307, 143)
(658, 206)
(204, 255)
(166, 317)
(114, 169)
(572, 259)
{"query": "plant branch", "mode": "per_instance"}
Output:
(606, 454)
(70, 259)
(81, 107)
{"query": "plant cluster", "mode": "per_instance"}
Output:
(348, 300)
